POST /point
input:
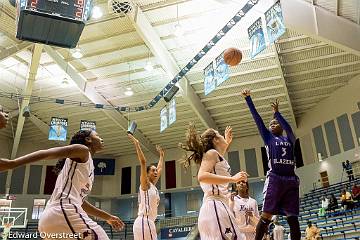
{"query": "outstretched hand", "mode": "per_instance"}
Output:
(133, 139)
(228, 135)
(6, 164)
(116, 223)
(275, 106)
(245, 92)
(160, 150)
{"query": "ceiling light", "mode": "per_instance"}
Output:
(149, 67)
(179, 31)
(64, 82)
(76, 53)
(96, 12)
(129, 92)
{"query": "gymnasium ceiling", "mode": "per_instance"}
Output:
(115, 52)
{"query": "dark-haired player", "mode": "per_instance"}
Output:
(281, 189)
(144, 226)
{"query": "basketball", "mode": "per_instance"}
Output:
(232, 56)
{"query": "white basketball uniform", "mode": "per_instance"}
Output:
(63, 212)
(241, 206)
(144, 226)
(216, 221)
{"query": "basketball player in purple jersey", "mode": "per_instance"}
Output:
(281, 189)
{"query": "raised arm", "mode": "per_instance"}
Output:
(284, 124)
(205, 174)
(264, 131)
(160, 163)
(112, 220)
(144, 182)
(76, 152)
(228, 137)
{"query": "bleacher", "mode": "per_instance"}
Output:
(340, 224)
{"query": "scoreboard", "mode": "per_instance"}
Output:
(72, 9)
(53, 22)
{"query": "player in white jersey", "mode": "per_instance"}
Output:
(66, 215)
(216, 221)
(245, 210)
(148, 197)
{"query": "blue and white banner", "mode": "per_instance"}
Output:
(176, 232)
(209, 81)
(104, 166)
(87, 125)
(274, 22)
(257, 38)
(172, 111)
(163, 119)
(58, 129)
(221, 70)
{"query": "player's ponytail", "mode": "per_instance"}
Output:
(78, 138)
(196, 144)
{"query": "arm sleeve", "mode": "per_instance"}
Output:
(286, 126)
(264, 131)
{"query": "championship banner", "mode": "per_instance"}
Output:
(163, 119)
(87, 125)
(176, 232)
(172, 111)
(257, 38)
(104, 166)
(221, 70)
(58, 129)
(274, 22)
(209, 81)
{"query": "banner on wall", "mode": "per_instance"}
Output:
(274, 22)
(58, 129)
(87, 125)
(179, 233)
(104, 166)
(209, 80)
(221, 70)
(172, 111)
(163, 119)
(257, 38)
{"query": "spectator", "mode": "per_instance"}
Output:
(333, 203)
(346, 200)
(348, 168)
(324, 206)
(312, 232)
(278, 232)
(4, 117)
(355, 192)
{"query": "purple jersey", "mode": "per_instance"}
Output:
(279, 149)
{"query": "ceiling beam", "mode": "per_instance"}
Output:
(96, 98)
(11, 51)
(153, 41)
(35, 60)
(294, 74)
(321, 79)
